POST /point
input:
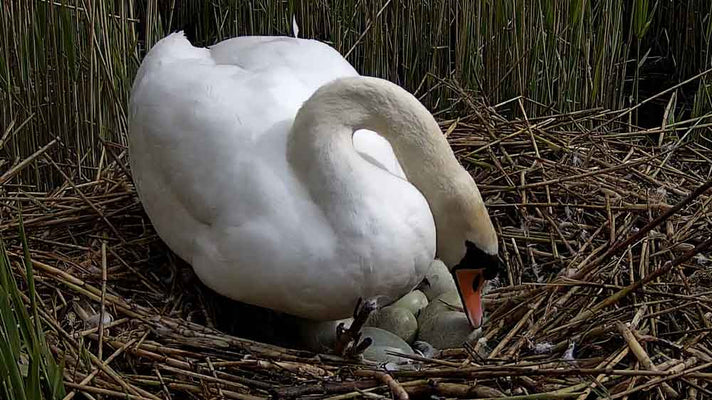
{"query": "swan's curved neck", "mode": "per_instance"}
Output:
(321, 138)
(322, 153)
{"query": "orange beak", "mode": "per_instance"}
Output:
(469, 284)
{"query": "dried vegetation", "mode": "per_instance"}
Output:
(605, 226)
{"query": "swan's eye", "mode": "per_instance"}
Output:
(475, 258)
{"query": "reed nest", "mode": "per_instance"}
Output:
(604, 228)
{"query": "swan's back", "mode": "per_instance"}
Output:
(208, 137)
(275, 74)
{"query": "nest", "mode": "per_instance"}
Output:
(604, 229)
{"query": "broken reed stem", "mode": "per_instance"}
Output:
(515, 330)
(27, 161)
(559, 181)
(657, 381)
(102, 310)
(395, 388)
(638, 284)
(487, 372)
(602, 378)
(106, 362)
(89, 203)
(105, 392)
(643, 357)
(647, 228)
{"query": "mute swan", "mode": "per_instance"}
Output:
(245, 159)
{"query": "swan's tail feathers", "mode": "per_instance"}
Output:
(176, 47)
(295, 27)
(172, 48)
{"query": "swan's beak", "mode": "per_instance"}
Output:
(469, 284)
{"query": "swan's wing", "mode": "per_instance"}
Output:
(208, 123)
(209, 129)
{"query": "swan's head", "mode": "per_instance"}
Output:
(467, 243)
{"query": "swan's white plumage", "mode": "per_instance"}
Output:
(208, 144)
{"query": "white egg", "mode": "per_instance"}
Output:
(384, 342)
(320, 336)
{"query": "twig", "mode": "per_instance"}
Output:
(24, 163)
(642, 356)
(638, 284)
(102, 310)
(397, 390)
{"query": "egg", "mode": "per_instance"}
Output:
(413, 301)
(397, 320)
(384, 342)
(443, 324)
(447, 329)
(438, 280)
(448, 301)
(320, 336)
(424, 348)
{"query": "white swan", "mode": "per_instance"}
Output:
(245, 159)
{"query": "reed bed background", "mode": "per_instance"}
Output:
(587, 126)
(66, 67)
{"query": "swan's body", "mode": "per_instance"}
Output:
(286, 214)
